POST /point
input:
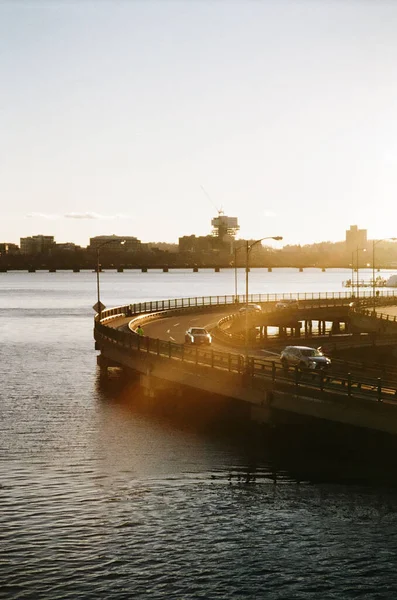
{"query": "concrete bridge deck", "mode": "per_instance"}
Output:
(260, 384)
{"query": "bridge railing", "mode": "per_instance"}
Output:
(259, 371)
(224, 300)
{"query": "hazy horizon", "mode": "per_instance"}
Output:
(115, 114)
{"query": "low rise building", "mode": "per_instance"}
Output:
(115, 242)
(37, 244)
(8, 248)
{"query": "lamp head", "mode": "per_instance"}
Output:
(278, 238)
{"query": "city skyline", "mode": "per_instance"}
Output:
(353, 236)
(115, 116)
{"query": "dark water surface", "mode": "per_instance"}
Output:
(100, 499)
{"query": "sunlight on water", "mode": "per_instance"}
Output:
(102, 498)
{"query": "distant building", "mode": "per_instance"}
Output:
(355, 238)
(7, 248)
(114, 242)
(37, 244)
(67, 247)
(223, 227)
(224, 230)
(191, 244)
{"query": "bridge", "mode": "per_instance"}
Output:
(252, 379)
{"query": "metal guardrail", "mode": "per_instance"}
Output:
(259, 370)
(262, 371)
(225, 300)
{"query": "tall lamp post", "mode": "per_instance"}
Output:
(353, 273)
(97, 273)
(235, 274)
(358, 282)
(248, 251)
(374, 243)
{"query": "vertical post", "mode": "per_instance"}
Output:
(379, 389)
(235, 274)
(273, 371)
(349, 384)
(97, 284)
(246, 300)
(373, 276)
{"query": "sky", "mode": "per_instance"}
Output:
(145, 118)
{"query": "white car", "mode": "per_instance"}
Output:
(252, 308)
(197, 335)
(304, 357)
(287, 304)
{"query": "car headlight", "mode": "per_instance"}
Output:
(312, 365)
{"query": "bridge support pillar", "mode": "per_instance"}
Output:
(104, 364)
(154, 387)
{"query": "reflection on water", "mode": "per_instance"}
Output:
(296, 452)
(104, 495)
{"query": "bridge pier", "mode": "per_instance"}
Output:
(153, 387)
(105, 364)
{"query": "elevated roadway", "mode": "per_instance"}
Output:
(161, 356)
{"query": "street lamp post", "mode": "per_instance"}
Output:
(374, 243)
(248, 250)
(358, 281)
(235, 274)
(97, 274)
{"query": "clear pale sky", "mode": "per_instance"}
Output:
(114, 114)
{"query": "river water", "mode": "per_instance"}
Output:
(102, 499)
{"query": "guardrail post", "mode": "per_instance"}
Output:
(349, 384)
(379, 389)
(169, 349)
(158, 346)
(273, 371)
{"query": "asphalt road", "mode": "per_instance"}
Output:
(173, 329)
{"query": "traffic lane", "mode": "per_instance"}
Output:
(173, 329)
